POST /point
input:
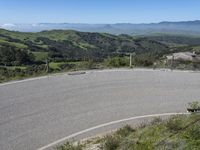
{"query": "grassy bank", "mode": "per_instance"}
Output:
(177, 132)
(9, 73)
(26, 71)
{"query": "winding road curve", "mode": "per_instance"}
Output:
(36, 112)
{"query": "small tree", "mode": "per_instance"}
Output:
(194, 105)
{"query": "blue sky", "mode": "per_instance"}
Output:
(98, 11)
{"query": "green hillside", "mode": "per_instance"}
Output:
(176, 40)
(72, 50)
(65, 45)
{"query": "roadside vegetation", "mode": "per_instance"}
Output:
(176, 132)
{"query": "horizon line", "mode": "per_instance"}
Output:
(104, 23)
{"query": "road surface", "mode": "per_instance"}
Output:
(37, 112)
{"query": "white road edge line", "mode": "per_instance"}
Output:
(25, 80)
(104, 125)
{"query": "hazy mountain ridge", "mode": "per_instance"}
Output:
(183, 27)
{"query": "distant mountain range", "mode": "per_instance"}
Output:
(183, 27)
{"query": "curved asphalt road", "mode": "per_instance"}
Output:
(37, 112)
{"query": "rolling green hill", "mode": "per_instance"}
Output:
(62, 45)
(72, 50)
(175, 40)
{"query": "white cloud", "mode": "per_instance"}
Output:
(7, 25)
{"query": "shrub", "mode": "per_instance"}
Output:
(116, 62)
(125, 131)
(192, 136)
(110, 143)
(156, 121)
(175, 123)
(194, 105)
(70, 146)
(194, 132)
(143, 125)
(145, 59)
(88, 64)
(67, 66)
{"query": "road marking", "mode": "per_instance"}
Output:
(32, 79)
(21, 81)
(104, 125)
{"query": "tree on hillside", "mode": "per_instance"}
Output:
(13, 56)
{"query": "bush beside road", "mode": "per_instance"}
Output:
(176, 132)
